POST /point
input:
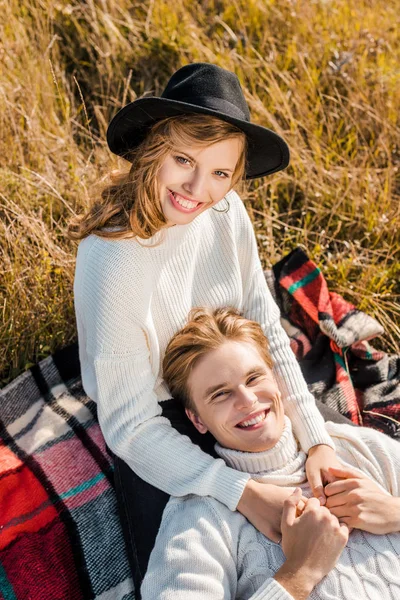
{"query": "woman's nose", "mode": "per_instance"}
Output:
(245, 396)
(195, 185)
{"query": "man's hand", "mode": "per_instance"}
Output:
(262, 504)
(360, 503)
(312, 543)
(320, 459)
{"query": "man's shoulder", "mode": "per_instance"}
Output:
(193, 509)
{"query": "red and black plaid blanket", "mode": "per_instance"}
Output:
(330, 339)
(60, 537)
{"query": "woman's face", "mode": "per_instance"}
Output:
(236, 398)
(192, 179)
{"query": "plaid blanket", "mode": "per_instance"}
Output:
(330, 339)
(60, 536)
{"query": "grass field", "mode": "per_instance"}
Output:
(323, 73)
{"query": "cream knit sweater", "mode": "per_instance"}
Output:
(206, 552)
(130, 298)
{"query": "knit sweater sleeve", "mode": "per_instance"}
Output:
(299, 403)
(117, 373)
(195, 556)
(374, 453)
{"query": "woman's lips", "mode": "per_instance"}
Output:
(186, 209)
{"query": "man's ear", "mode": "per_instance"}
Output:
(197, 422)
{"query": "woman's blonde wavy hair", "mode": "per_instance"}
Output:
(131, 206)
(207, 330)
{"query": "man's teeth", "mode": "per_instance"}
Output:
(183, 202)
(254, 421)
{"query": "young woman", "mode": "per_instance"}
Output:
(170, 236)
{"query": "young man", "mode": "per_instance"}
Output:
(219, 366)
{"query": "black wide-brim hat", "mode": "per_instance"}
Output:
(206, 89)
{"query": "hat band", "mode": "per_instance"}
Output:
(217, 104)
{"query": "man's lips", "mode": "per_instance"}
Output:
(256, 415)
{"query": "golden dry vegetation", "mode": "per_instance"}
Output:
(323, 73)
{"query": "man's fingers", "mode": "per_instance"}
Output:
(338, 487)
(290, 507)
(336, 500)
(345, 473)
(341, 512)
(312, 504)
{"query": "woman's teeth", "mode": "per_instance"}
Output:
(183, 202)
(254, 421)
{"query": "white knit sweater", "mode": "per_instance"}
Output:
(130, 298)
(206, 552)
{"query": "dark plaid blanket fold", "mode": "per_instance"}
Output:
(60, 536)
(330, 339)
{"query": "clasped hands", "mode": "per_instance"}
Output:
(355, 499)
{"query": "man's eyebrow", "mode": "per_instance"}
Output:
(194, 160)
(213, 388)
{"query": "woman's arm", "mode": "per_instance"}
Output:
(258, 305)
(111, 301)
(130, 418)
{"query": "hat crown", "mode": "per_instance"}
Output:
(209, 86)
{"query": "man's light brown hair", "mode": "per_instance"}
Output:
(207, 330)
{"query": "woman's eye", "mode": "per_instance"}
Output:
(221, 174)
(182, 160)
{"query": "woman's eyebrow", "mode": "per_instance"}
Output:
(194, 160)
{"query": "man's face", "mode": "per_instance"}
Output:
(236, 398)
(193, 179)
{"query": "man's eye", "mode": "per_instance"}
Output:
(254, 378)
(219, 394)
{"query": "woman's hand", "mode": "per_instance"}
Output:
(312, 543)
(262, 505)
(320, 459)
(360, 503)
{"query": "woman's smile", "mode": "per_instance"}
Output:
(183, 203)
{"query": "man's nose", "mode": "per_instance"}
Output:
(245, 396)
(195, 185)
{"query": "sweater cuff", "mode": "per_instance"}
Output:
(271, 590)
(229, 487)
(311, 432)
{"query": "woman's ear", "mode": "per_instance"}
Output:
(197, 422)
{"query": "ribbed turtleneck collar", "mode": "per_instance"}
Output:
(283, 460)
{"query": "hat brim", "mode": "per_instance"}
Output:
(267, 151)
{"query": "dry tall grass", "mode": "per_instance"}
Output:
(323, 73)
